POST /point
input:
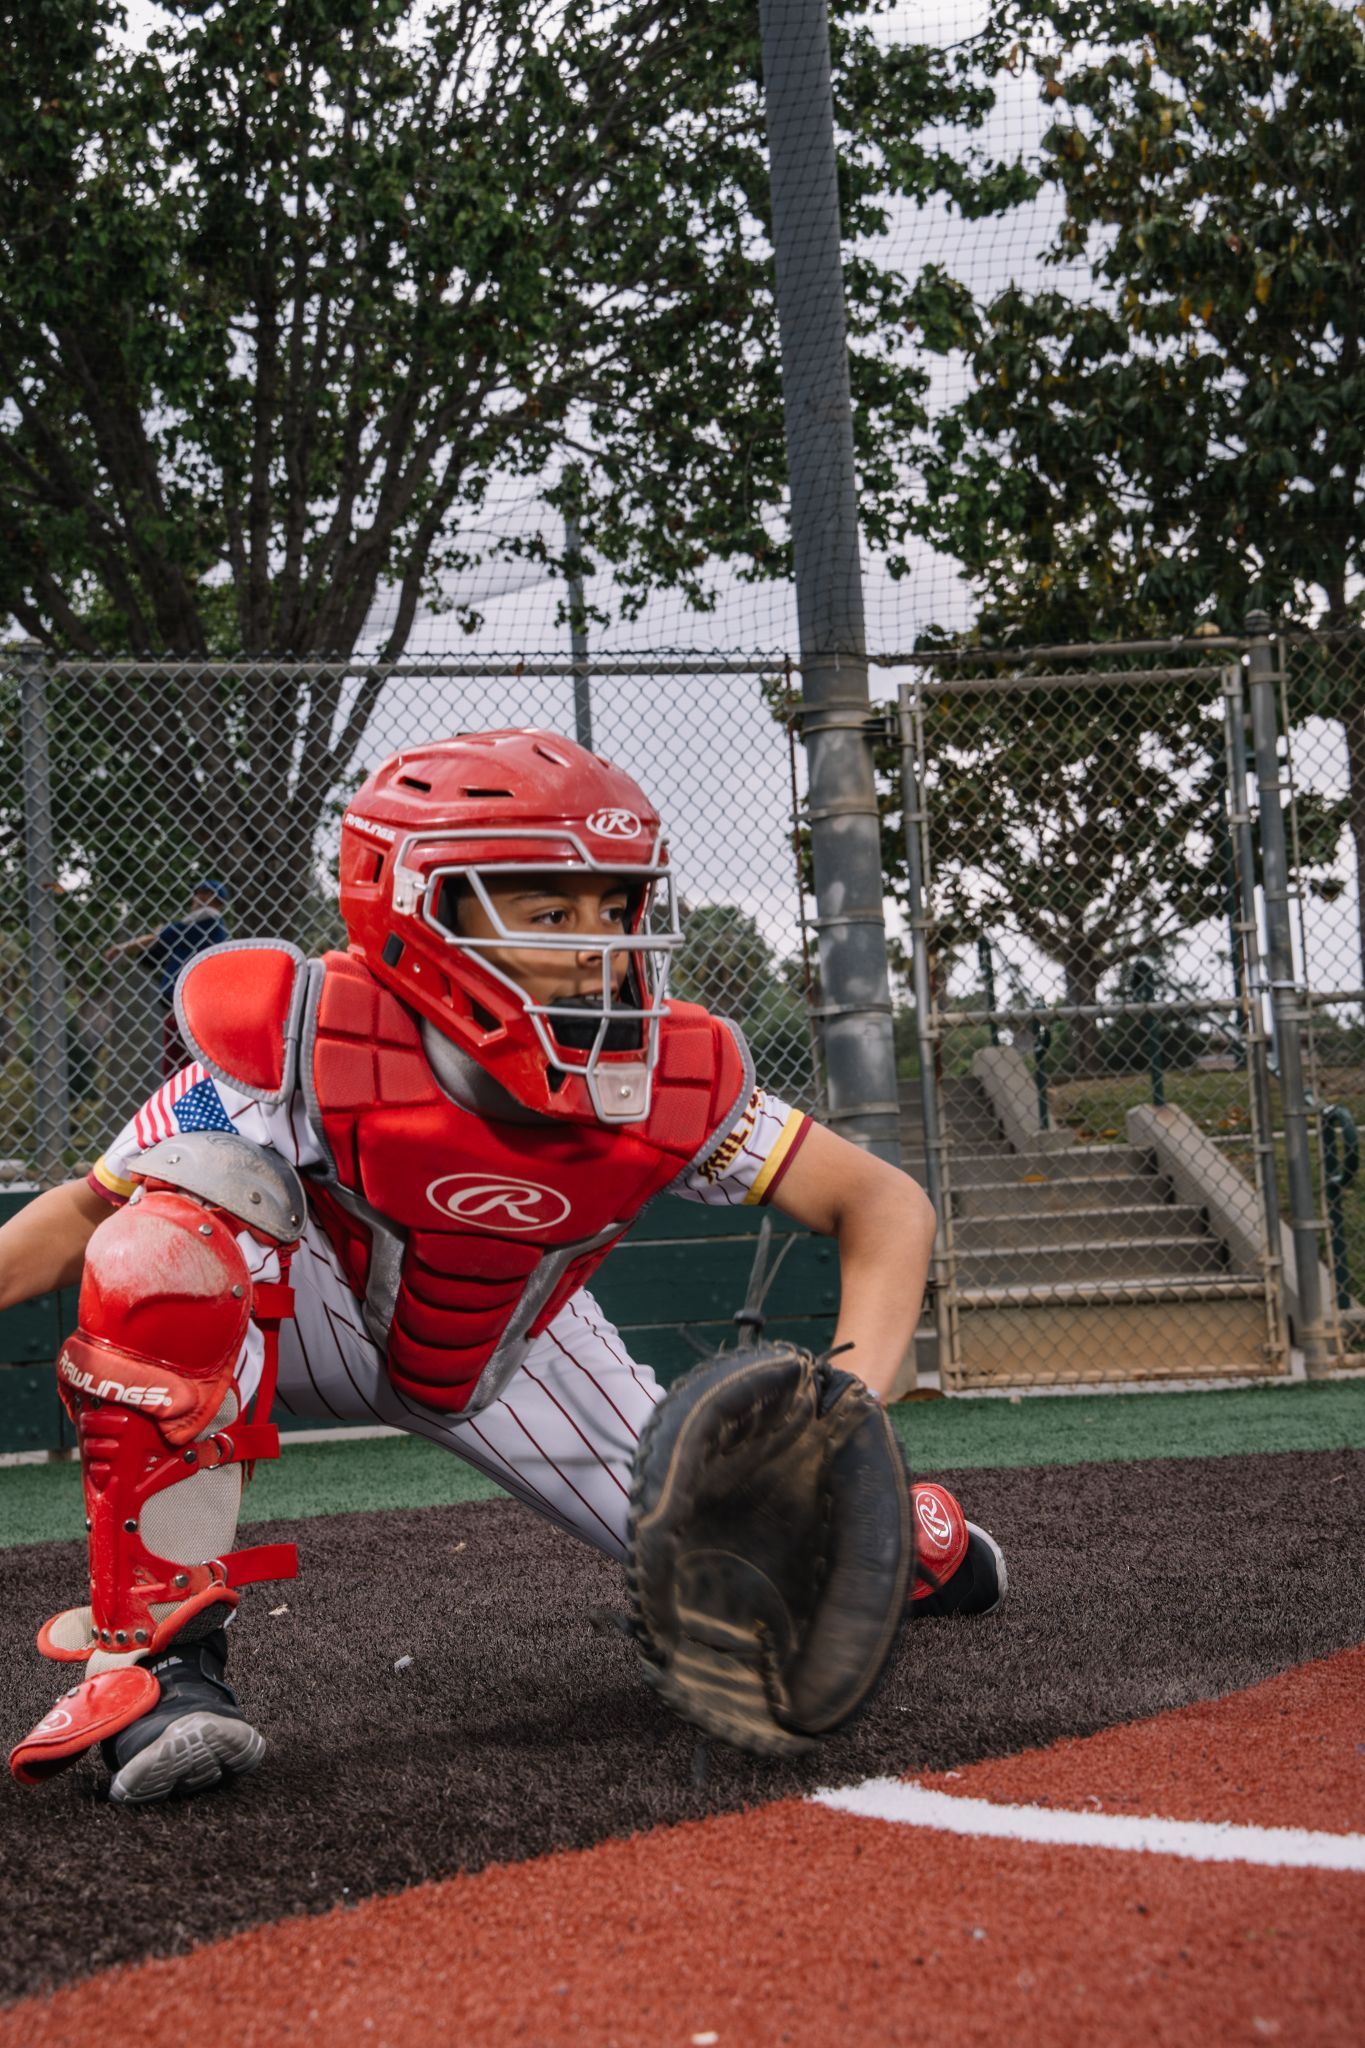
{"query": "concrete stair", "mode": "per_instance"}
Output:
(1075, 1264)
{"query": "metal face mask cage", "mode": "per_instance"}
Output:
(620, 1091)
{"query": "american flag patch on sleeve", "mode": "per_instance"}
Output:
(188, 1102)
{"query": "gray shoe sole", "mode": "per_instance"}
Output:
(191, 1754)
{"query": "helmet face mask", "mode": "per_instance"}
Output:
(583, 1054)
(581, 1034)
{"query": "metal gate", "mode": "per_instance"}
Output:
(1098, 937)
(1319, 686)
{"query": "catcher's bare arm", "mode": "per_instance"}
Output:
(884, 1225)
(44, 1245)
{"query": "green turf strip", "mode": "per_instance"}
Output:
(41, 1503)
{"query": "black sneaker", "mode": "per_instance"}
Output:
(977, 1586)
(194, 1737)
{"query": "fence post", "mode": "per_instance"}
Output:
(860, 1059)
(912, 801)
(985, 960)
(912, 805)
(1143, 983)
(1250, 981)
(46, 982)
(1285, 996)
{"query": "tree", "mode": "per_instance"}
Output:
(1080, 822)
(726, 963)
(285, 289)
(1186, 437)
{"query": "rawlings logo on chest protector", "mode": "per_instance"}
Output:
(491, 1203)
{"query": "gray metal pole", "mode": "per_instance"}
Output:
(1285, 996)
(46, 983)
(860, 1059)
(912, 790)
(919, 950)
(578, 635)
(1246, 939)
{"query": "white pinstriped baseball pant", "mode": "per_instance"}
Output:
(562, 1438)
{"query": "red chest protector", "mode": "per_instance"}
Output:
(462, 1234)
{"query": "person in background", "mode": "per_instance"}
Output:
(172, 948)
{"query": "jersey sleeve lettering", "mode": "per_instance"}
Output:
(747, 1167)
(193, 1101)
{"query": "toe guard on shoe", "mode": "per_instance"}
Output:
(91, 1712)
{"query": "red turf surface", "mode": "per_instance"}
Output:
(1289, 1753)
(791, 1924)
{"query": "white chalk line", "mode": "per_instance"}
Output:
(910, 1804)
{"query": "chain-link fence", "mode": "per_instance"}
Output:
(1134, 1024)
(1137, 962)
(1320, 679)
(153, 808)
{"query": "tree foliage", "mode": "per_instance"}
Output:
(726, 964)
(284, 289)
(288, 285)
(1176, 432)
(1081, 822)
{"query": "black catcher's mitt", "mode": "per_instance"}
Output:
(770, 1547)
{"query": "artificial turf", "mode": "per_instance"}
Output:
(435, 1697)
(41, 1503)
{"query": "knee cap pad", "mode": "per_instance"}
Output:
(164, 1307)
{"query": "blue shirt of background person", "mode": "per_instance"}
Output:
(176, 943)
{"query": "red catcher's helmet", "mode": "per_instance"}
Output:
(441, 820)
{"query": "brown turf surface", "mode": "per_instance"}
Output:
(517, 1729)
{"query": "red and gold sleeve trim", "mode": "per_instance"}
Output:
(108, 1185)
(790, 1139)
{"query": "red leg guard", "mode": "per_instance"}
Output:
(165, 1304)
(101, 1706)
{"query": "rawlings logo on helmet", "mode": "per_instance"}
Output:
(615, 824)
(375, 831)
(493, 1204)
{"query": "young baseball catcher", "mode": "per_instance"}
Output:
(378, 1193)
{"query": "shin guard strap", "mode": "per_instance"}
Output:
(262, 1561)
(127, 1462)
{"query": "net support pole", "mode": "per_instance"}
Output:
(836, 718)
(46, 982)
(1286, 997)
(578, 634)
